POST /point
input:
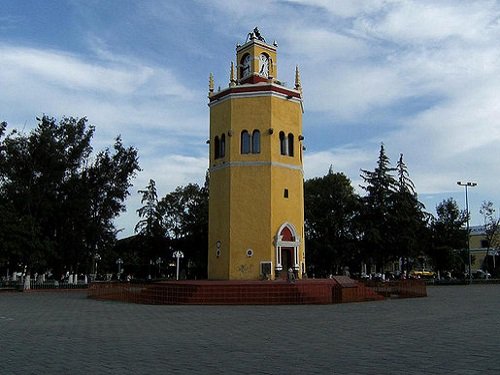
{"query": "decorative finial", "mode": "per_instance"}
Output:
(232, 77)
(210, 84)
(298, 86)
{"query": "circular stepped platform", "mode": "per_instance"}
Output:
(339, 289)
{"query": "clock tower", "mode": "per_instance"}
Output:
(256, 202)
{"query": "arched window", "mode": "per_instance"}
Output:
(245, 142)
(223, 145)
(256, 142)
(245, 65)
(216, 148)
(283, 147)
(290, 144)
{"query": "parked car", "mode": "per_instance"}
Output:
(424, 274)
(480, 274)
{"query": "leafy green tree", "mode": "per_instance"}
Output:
(376, 219)
(185, 216)
(60, 199)
(107, 181)
(449, 238)
(492, 231)
(14, 237)
(331, 208)
(36, 169)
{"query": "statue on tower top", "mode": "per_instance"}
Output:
(255, 34)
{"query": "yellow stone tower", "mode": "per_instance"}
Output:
(256, 203)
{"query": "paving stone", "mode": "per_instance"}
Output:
(454, 330)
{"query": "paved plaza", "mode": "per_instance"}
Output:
(455, 330)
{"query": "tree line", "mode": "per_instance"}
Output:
(388, 224)
(58, 200)
(176, 222)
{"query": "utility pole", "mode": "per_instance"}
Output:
(467, 185)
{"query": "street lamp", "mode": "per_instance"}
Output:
(467, 185)
(149, 269)
(119, 261)
(97, 258)
(159, 261)
(178, 254)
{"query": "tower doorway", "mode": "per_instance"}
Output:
(287, 250)
(286, 261)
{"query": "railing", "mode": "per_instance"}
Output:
(462, 281)
(398, 289)
(21, 285)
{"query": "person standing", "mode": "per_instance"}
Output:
(291, 275)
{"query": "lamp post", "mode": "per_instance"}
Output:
(119, 261)
(467, 185)
(178, 254)
(159, 261)
(97, 258)
(150, 264)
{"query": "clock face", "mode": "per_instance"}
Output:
(245, 68)
(264, 65)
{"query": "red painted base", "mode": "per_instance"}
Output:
(313, 291)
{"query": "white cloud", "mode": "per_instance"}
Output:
(238, 10)
(425, 21)
(345, 8)
(319, 46)
(68, 72)
(118, 96)
(59, 69)
(148, 105)
(421, 76)
(429, 71)
(347, 159)
(349, 92)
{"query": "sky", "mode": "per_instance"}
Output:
(421, 77)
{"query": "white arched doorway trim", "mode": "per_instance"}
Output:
(279, 243)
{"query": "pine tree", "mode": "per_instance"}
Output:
(151, 223)
(151, 239)
(409, 218)
(378, 233)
